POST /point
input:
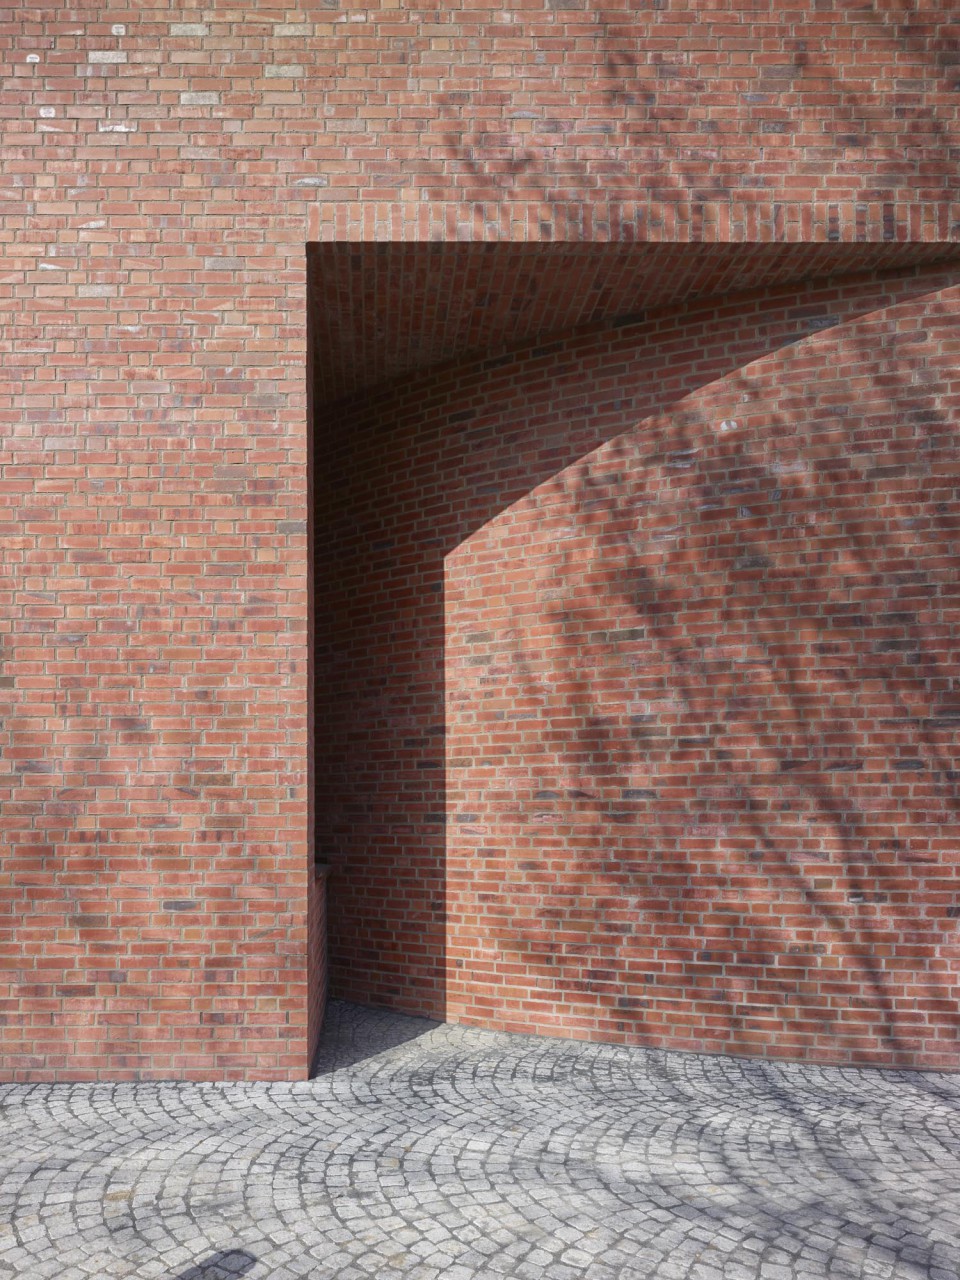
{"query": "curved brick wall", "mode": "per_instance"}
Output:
(683, 596)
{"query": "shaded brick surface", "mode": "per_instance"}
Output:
(383, 310)
(639, 656)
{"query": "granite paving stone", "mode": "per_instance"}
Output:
(429, 1152)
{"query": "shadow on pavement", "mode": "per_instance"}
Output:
(352, 1034)
(220, 1266)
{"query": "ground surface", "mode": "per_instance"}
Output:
(428, 1151)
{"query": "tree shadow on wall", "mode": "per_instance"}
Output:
(656, 127)
(735, 774)
(695, 768)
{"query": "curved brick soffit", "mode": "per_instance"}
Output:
(381, 311)
(855, 324)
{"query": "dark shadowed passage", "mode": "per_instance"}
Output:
(637, 718)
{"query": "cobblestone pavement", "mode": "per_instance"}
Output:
(424, 1151)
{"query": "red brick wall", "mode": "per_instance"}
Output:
(153, 616)
(153, 737)
(639, 654)
(162, 169)
(676, 121)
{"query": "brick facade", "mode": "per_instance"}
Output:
(164, 169)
